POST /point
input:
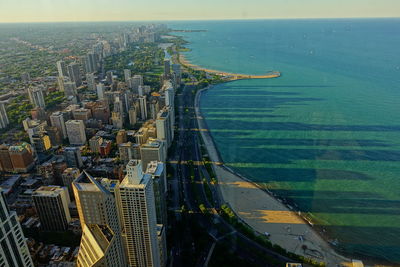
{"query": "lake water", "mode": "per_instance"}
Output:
(325, 135)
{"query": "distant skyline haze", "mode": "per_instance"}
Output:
(133, 10)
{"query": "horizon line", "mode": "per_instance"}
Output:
(182, 20)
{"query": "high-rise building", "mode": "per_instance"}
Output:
(82, 114)
(163, 124)
(54, 135)
(33, 127)
(75, 74)
(61, 81)
(132, 116)
(127, 75)
(101, 243)
(109, 77)
(126, 152)
(38, 113)
(41, 142)
(68, 177)
(73, 157)
(46, 171)
(70, 92)
(167, 68)
(143, 108)
(62, 69)
(169, 102)
(95, 143)
(13, 249)
(70, 89)
(121, 137)
(91, 81)
(21, 157)
(51, 203)
(5, 159)
(158, 174)
(153, 150)
(144, 89)
(117, 115)
(91, 62)
(57, 120)
(135, 82)
(76, 132)
(136, 200)
(177, 74)
(100, 91)
(3, 116)
(169, 93)
(36, 97)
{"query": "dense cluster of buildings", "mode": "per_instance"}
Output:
(94, 167)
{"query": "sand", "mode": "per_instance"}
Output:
(264, 213)
(229, 76)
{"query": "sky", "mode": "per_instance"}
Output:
(131, 10)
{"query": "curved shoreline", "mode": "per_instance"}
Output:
(227, 75)
(262, 210)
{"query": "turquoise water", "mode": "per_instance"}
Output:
(325, 135)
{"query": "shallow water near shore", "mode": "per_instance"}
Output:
(325, 135)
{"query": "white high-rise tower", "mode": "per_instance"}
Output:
(137, 204)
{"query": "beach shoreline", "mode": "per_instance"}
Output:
(263, 211)
(227, 75)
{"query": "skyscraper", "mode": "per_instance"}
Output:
(136, 200)
(91, 62)
(143, 108)
(158, 174)
(68, 177)
(41, 142)
(177, 73)
(100, 91)
(167, 68)
(75, 74)
(163, 124)
(101, 243)
(132, 116)
(95, 143)
(70, 91)
(76, 132)
(51, 203)
(57, 120)
(3, 116)
(62, 69)
(135, 82)
(13, 248)
(36, 97)
(73, 157)
(153, 150)
(91, 81)
(127, 75)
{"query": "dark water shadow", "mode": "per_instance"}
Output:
(306, 175)
(253, 142)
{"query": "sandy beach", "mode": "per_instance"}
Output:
(229, 76)
(264, 213)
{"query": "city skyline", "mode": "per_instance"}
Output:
(125, 10)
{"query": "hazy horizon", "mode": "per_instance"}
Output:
(26, 11)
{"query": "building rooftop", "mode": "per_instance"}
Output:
(155, 168)
(49, 191)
